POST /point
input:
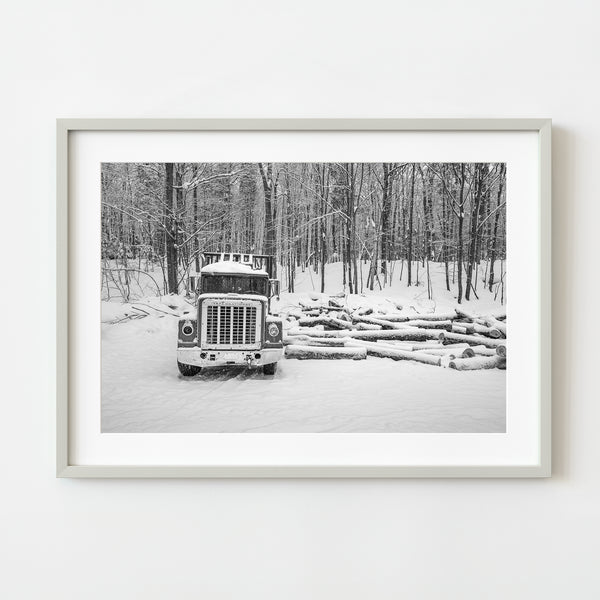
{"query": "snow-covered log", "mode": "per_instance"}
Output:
(448, 316)
(326, 353)
(310, 312)
(368, 327)
(384, 324)
(483, 351)
(339, 323)
(438, 344)
(395, 345)
(382, 351)
(476, 363)
(338, 309)
(309, 305)
(473, 340)
(463, 314)
(492, 332)
(461, 328)
(305, 340)
(335, 303)
(501, 350)
(397, 318)
(414, 335)
(496, 324)
(315, 332)
(451, 352)
(430, 324)
(325, 321)
(365, 310)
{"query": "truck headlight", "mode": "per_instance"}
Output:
(273, 329)
(187, 329)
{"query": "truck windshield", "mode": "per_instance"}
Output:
(233, 284)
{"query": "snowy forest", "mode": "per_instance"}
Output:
(380, 222)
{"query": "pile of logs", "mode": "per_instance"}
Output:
(457, 340)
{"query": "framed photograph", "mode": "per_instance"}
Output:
(303, 298)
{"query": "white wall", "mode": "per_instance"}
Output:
(295, 539)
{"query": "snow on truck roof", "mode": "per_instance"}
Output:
(231, 267)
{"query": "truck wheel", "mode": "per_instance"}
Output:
(188, 370)
(270, 368)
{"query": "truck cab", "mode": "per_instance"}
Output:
(233, 324)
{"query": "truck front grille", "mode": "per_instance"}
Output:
(229, 325)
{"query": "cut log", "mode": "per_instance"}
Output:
(309, 305)
(381, 351)
(339, 323)
(430, 324)
(305, 340)
(451, 353)
(384, 324)
(496, 324)
(473, 340)
(368, 327)
(483, 351)
(363, 311)
(324, 353)
(449, 316)
(315, 332)
(395, 344)
(408, 334)
(477, 362)
(501, 350)
(325, 321)
(338, 309)
(462, 313)
(460, 329)
(439, 345)
(396, 318)
(492, 332)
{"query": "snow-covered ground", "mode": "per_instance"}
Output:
(142, 390)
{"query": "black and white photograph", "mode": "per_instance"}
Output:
(304, 297)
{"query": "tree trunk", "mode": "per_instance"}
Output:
(386, 203)
(461, 217)
(269, 191)
(171, 231)
(496, 221)
(478, 175)
(410, 225)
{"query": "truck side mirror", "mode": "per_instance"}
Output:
(274, 288)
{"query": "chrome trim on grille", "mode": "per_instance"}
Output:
(229, 323)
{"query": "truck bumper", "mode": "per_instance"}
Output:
(220, 358)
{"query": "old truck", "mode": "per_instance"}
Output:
(233, 324)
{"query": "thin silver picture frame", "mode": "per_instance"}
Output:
(543, 128)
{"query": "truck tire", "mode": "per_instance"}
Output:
(188, 370)
(270, 368)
